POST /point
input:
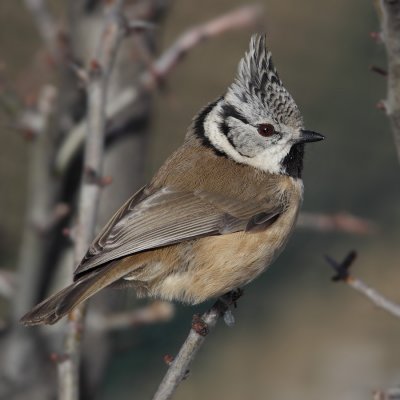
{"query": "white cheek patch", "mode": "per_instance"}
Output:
(268, 160)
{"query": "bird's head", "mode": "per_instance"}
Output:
(257, 122)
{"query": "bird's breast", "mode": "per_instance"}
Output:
(215, 265)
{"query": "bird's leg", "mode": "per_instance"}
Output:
(231, 298)
(224, 303)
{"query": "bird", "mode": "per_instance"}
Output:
(219, 210)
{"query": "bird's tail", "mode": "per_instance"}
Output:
(55, 307)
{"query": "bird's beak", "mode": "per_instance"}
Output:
(309, 136)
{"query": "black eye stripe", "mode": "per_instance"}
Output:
(230, 111)
(224, 128)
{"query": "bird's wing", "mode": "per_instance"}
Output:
(169, 216)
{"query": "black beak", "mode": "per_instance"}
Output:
(309, 136)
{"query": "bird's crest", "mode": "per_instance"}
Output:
(258, 85)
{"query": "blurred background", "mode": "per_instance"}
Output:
(297, 335)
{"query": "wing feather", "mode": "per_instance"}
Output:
(167, 217)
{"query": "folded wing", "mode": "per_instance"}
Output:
(168, 216)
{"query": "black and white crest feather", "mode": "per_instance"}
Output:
(257, 97)
(259, 89)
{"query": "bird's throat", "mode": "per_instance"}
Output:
(292, 164)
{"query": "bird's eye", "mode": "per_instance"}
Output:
(266, 130)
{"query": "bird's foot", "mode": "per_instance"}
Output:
(232, 297)
(225, 302)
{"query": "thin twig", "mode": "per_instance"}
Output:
(127, 99)
(158, 311)
(138, 26)
(36, 120)
(378, 70)
(377, 298)
(100, 70)
(390, 25)
(96, 321)
(342, 221)
(343, 275)
(241, 18)
(201, 327)
(7, 284)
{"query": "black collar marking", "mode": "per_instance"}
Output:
(198, 128)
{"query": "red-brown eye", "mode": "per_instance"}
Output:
(266, 130)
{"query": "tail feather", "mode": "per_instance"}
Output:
(57, 306)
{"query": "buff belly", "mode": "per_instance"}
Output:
(205, 268)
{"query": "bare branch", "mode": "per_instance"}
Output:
(158, 311)
(36, 120)
(378, 70)
(99, 73)
(7, 284)
(390, 25)
(201, 327)
(342, 221)
(60, 211)
(126, 101)
(11, 104)
(187, 353)
(241, 18)
(44, 23)
(138, 26)
(377, 298)
(20, 351)
(343, 274)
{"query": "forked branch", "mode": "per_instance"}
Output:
(343, 275)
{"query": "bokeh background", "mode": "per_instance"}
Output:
(297, 335)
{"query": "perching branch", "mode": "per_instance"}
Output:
(342, 274)
(99, 73)
(390, 25)
(201, 327)
(128, 98)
